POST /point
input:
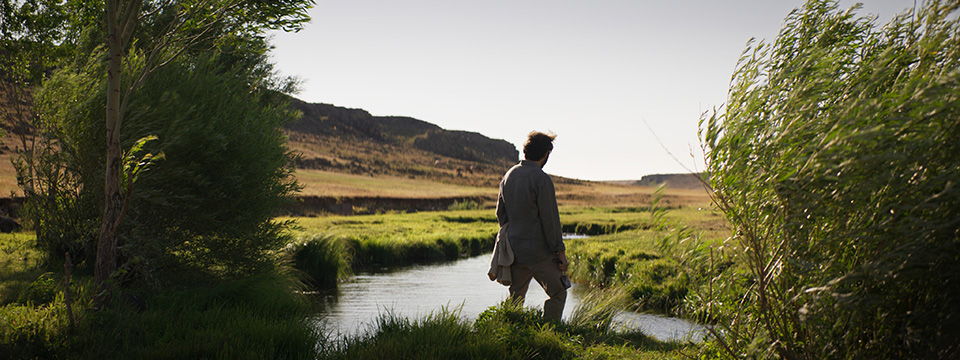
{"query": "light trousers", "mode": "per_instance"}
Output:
(547, 273)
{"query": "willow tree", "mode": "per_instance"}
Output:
(177, 27)
(835, 161)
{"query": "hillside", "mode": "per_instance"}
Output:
(359, 125)
(332, 138)
(350, 159)
(675, 181)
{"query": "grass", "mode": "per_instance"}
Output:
(398, 239)
(386, 240)
(251, 318)
(599, 221)
(505, 331)
(321, 261)
(262, 317)
(328, 183)
(660, 262)
(20, 265)
(631, 262)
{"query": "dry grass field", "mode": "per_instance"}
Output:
(402, 173)
(8, 176)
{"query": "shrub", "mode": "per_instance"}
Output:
(835, 161)
(209, 203)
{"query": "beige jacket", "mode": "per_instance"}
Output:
(502, 258)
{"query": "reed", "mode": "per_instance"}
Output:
(320, 260)
(834, 160)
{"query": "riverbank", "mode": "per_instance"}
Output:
(194, 315)
(638, 249)
(397, 238)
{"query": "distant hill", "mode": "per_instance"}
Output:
(675, 181)
(359, 125)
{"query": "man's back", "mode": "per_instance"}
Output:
(528, 202)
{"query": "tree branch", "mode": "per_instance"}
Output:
(131, 18)
(112, 16)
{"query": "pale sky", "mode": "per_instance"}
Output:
(591, 71)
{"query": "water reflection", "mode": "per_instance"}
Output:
(423, 289)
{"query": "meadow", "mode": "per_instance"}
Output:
(262, 316)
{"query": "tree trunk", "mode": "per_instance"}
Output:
(113, 198)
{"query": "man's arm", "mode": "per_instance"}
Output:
(550, 220)
(501, 208)
(550, 216)
(564, 263)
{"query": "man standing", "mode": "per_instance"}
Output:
(528, 202)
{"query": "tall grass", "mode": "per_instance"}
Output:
(599, 221)
(387, 240)
(505, 331)
(321, 260)
(253, 318)
(443, 335)
(629, 261)
(258, 317)
(835, 161)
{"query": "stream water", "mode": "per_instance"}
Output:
(461, 286)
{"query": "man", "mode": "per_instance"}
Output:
(528, 202)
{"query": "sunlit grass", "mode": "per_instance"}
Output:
(326, 183)
(20, 264)
(401, 239)
(505, 331)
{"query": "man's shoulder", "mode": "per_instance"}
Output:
(526, 171)
(544, 178)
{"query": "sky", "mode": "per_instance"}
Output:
(622, 83)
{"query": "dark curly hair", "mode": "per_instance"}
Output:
(537, 145)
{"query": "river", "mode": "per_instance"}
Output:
(462, 285)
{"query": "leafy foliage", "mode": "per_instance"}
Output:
(835, 160)
(209, 202)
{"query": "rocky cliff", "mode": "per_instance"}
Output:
(359, 125)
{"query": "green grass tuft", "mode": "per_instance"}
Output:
(321, 260)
